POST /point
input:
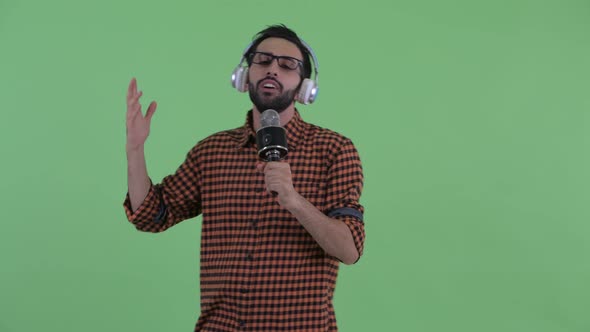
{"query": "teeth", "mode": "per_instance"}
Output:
(268, 85)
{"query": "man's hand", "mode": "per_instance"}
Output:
(277, 177)
(331, 234)
(138, 126)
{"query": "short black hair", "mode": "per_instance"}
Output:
(281, 31)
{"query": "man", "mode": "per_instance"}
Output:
(273, 233)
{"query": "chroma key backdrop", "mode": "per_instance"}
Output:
(472, 120)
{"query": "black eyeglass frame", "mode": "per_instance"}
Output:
(278, 58)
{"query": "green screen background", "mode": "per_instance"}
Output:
(471, 118)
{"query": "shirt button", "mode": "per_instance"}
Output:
(242, 323)
(249, 257)
(244, 290)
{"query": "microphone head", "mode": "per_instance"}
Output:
(270, 118)
(271, 138)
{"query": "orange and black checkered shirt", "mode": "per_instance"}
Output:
(260, 269)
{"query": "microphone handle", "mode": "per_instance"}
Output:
(273, 155)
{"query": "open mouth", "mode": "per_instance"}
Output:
(269, 85)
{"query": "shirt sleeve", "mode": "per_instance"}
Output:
(175, 199)
(343, 192)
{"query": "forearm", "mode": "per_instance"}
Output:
(138, 182)
(331, 234)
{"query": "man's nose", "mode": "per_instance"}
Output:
(273, 67)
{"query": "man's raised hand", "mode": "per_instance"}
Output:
(138, 125)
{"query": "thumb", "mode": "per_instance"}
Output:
(151, 110)
(260, 166)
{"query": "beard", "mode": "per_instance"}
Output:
(263, 102)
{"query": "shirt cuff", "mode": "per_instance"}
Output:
(151, 209)
(357, 229)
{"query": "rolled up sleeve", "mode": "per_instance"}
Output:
(343, 192)
(175, 199)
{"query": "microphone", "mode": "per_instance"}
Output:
(271, 138)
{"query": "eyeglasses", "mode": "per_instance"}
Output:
(265, 59)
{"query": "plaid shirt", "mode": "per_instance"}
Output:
(260, 269)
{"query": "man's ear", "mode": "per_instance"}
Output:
(301, 78)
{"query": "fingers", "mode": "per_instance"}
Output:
(134, 97)
(276, 166)
(132, 88)
(133, 106)
(132, 93)
(277, 175)
(260, 166)
(151, 110)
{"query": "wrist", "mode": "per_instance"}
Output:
(134, 150)
(294, 202)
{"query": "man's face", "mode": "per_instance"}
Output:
(270, 85)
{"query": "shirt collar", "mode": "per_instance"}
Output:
(295, 129)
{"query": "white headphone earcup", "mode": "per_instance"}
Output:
(239, 79)
(307, 92)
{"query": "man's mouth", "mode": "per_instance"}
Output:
(269, 85)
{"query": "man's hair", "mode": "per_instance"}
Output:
(281, 31)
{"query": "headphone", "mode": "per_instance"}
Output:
(308, 91)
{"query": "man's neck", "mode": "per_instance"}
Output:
(285, 116)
